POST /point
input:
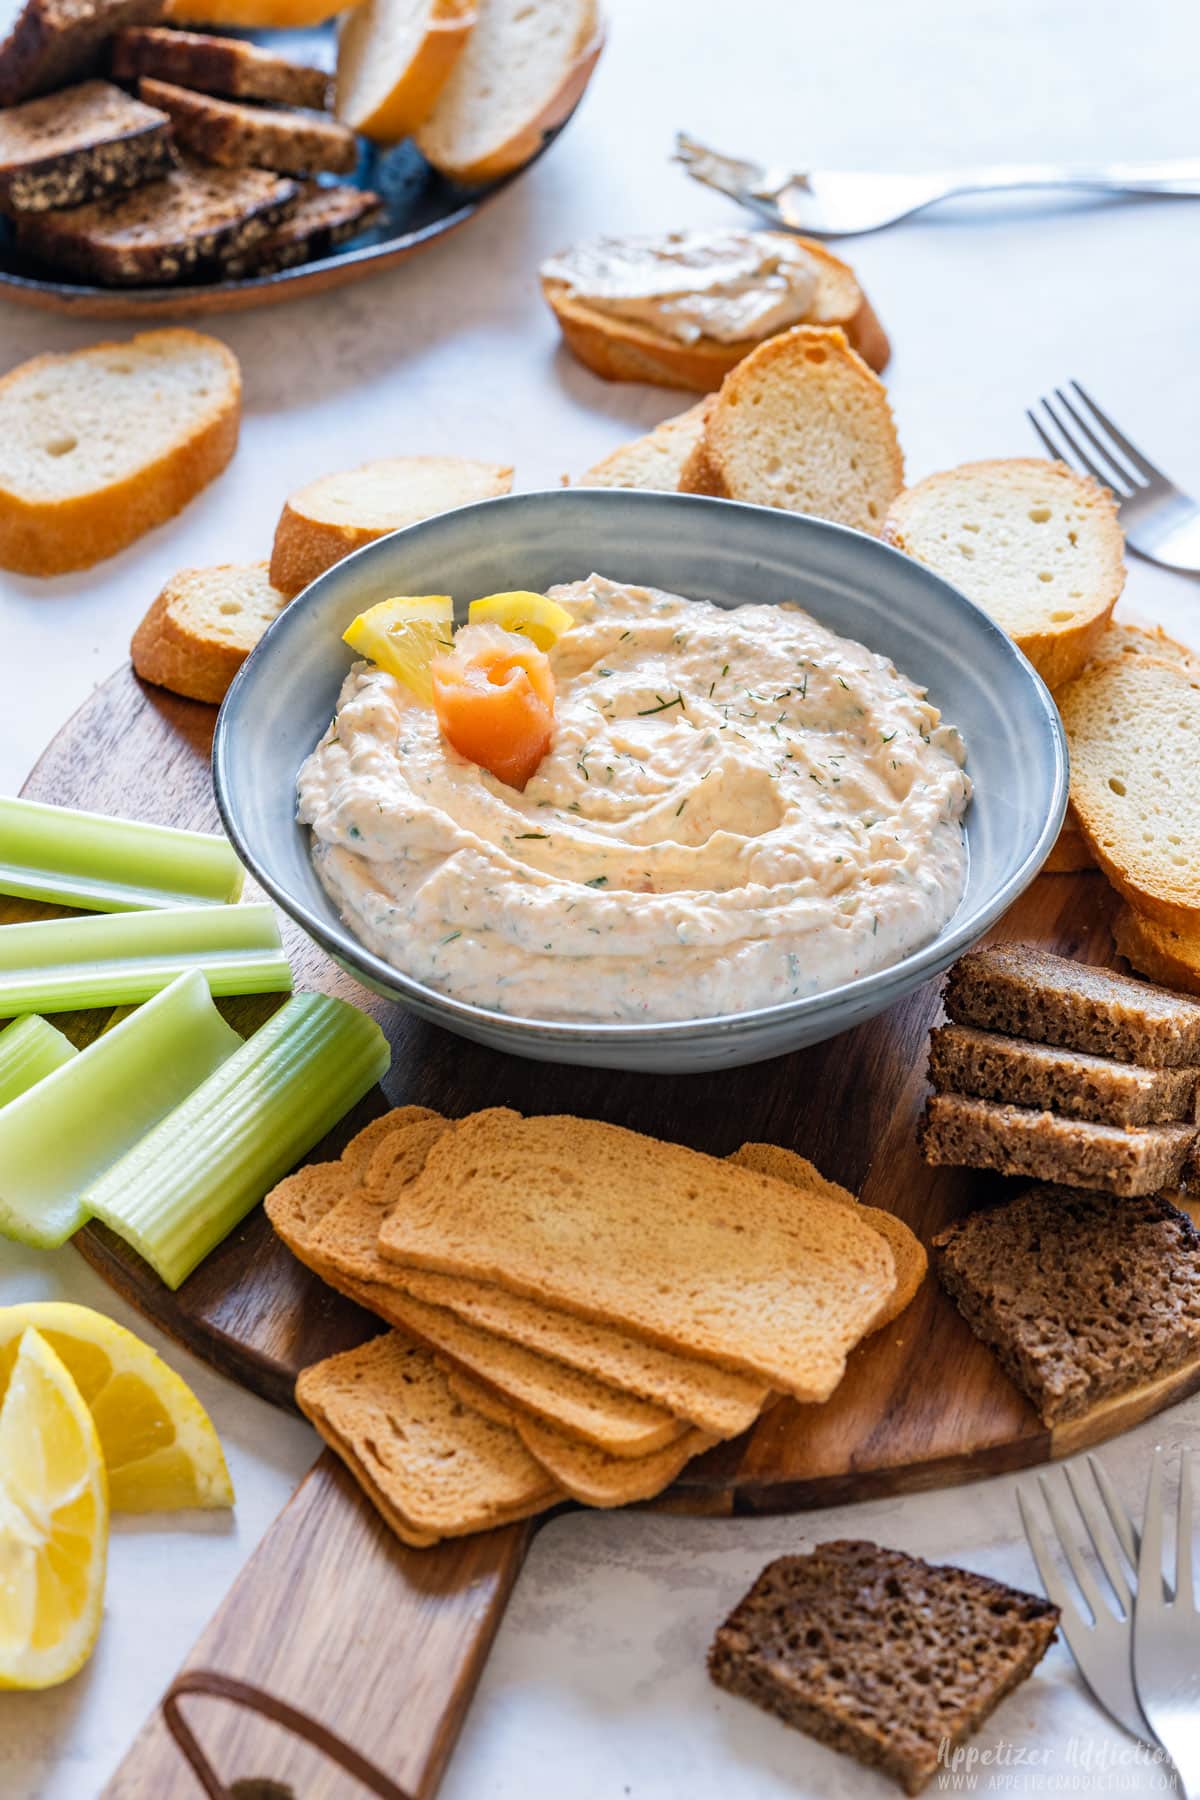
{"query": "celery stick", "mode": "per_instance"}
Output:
(98, 864)
(57, 1138)
(197, 1174)
(28, 1050)
(56, 965)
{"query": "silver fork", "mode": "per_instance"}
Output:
(834, 203)
(1166, 1632)
(1102, 1644)
(1159, 520)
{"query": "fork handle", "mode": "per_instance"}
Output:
(1181, 177)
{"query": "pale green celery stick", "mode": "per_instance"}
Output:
(109, 959)
(98, 864)
(57, 1138)
(197, 1174)
(28, 1050)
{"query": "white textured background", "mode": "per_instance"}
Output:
(595, 1688)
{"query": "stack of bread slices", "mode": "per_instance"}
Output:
(575, 1310)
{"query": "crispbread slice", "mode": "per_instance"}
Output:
(1172, 957)
(581, 1470)
(442, 1469)
(707, 1259)
(1133, 724)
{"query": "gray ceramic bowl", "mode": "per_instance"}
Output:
(714, 550)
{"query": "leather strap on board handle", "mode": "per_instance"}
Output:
(268, 1706)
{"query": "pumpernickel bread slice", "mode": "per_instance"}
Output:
(880, 1655)
(1133, 724)
(78, 145)
(1082, 1296)
(1023, 1140)
(801, 423)
(217, 65)
(186, 225)
(51, 42)
(239, 134)
(1038, 547)
(323, 219)
(1153, 949)
(1031, 993)
(992, 1066)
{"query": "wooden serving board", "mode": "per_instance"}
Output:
(385, 1643)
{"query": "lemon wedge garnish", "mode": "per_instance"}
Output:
(53, 1522)
(535, 616)
(403, 636)
(158, 1442)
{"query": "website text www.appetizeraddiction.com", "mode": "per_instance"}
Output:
(1077, 1765)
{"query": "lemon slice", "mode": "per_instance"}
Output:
(53, 1522)
(542, 620)
(403, 636)
(159, 1445)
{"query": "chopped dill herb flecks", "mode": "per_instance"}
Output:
(543, 835)
(663, 705)
(681, 806)
(450, 939)
(623, 636)
(844, 684)
(802, 690)
(887, 736)
(875, 927)
(604, 671)
(597, 881)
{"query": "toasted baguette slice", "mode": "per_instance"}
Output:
(254, 15)
(621, 350)
(48, 42)
(521, 72)
(1036, 546)
(1070, 852)
(1134, 729)
(203, 626)
(71, 147)
(394, 59)
(238, 134)
(329, 518)
(802, 423)
(217, 65)
(99, 445)
(655, 461)
(188, 224)
(324, 217)
(1124, 638)
(1172, 957)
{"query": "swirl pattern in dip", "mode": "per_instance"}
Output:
(738, 809)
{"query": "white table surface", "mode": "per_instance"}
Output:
(595, 1687)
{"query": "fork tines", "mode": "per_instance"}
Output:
(1092, 442)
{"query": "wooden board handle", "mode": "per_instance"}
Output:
(345, 1653)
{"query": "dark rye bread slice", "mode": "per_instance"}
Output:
(1020, 1140)
(217, 65)
(1081, 1296)
(1029, 993)
(963, 1060)
(239, 135)
(324, 218)
(185, 225)
(880, 1655)
(67, 148)
(49, 42)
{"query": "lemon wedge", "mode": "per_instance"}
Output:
(53, 1522)
(542, 620)
(158, 1443)
(403, 636)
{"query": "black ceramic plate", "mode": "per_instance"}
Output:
(419, 206)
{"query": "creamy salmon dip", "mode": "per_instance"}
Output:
(737, 809)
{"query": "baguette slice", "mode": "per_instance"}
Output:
(394, 59)
(190, 223)
(255, 15)
(1133, 725)
(203, 626)
(217, 65)
(522, 71)
(1172, 957)
(78, 145)
(49, 42)
(621, 350)
(1123, 638)
(238, 134)
(802, 423)
(324, 218)
(655, 461)
(1070, 852)
(325, 521)
(1036, 546)
(100, 445)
